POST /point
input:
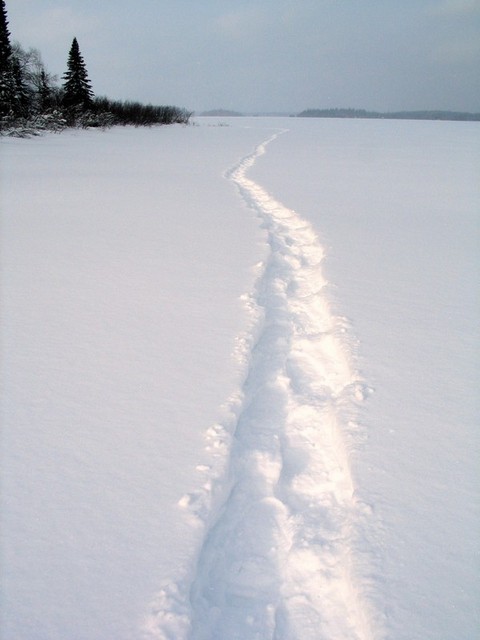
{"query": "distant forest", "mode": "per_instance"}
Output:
(357, 113)
(31, 100)
(225, 113)
(394, 115)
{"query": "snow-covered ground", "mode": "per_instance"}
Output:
(240, 382)
(397, 205)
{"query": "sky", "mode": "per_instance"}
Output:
(265, 55)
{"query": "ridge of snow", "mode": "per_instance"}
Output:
(280, 515)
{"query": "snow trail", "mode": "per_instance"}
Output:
(278, 560)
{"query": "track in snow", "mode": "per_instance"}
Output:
(278, 561)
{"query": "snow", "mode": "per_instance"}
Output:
(398, 207)
(120, 297)
(240, 381)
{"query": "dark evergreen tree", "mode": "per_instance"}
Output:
(77, 88)
(5, 48)
(7, 80)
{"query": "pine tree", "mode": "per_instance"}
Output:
(7, 80)
(5, 48)
(77, 87)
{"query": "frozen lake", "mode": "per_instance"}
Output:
(240, 381)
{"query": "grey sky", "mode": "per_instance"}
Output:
(265, 55)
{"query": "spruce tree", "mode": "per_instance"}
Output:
(77, 87)
(5, 48)
(7, 80)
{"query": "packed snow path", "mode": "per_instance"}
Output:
(278, 560)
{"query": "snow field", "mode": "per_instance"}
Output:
(397, 206)
(123, 258)
(164, 479)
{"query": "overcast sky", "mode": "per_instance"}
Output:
(265, 55)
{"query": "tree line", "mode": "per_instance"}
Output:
(31, 100)
(391, 115)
